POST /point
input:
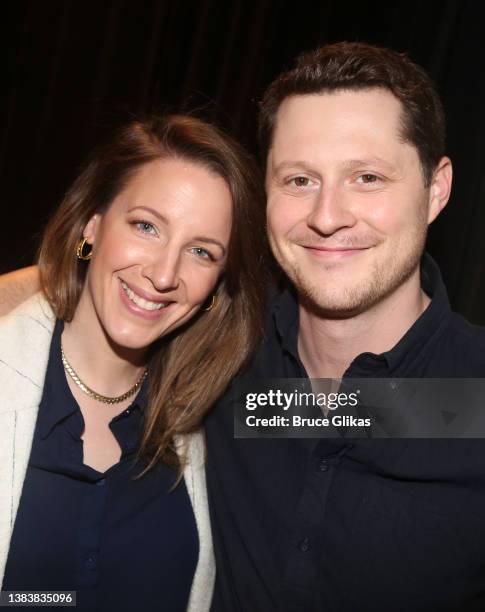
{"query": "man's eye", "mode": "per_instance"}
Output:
(145, 227)
(300, 181)
(367, 178)
(202, 253)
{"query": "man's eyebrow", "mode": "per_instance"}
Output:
(294, 164)
(352, 164)
(349, 164)
(163, 219)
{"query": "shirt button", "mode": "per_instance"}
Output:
(101, 483)
(304, 545)
(90, 563)
(323, 465)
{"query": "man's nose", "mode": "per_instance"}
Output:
(163, 269)
(331, 211)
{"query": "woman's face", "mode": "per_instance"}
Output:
(158, 251)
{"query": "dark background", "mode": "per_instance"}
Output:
(77, 68)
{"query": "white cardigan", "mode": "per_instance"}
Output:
(25, 337)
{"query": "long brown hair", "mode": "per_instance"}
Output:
(190, 369)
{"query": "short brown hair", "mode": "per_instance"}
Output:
(191, 368)
(356, 66)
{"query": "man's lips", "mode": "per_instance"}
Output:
(333, 253)
(332, 249)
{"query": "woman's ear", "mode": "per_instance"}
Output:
(91, 228)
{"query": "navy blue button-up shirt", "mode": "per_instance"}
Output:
(122, 544)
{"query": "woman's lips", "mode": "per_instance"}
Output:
(145, 308)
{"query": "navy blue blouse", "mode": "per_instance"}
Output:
(122, 544)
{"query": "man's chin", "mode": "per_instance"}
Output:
(340, 302)
(333, 308)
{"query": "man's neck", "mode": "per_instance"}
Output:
(328, 346)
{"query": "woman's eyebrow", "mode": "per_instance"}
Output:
(150, 210)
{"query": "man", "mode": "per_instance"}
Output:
(354, 145)
(354, 142)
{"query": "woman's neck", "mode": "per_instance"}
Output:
(102, 365)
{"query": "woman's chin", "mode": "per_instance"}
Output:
(129, 338)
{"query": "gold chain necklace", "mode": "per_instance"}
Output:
(97, 396)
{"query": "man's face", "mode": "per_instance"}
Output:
(347, 207)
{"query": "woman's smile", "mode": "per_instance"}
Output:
(139, 305)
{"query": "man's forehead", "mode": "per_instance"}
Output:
(336, 109)
(347, 126)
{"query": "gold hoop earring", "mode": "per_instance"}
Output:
(79, 250)
(212, 304)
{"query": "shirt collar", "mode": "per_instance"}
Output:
(404, 358)
(57, 401)
(285, 316)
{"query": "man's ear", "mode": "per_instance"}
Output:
(91, 229)
(440, 188)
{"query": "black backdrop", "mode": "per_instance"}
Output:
(76, 68)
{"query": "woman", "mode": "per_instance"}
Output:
(151, 302)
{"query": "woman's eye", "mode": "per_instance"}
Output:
(145, 227)
(203, 253)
